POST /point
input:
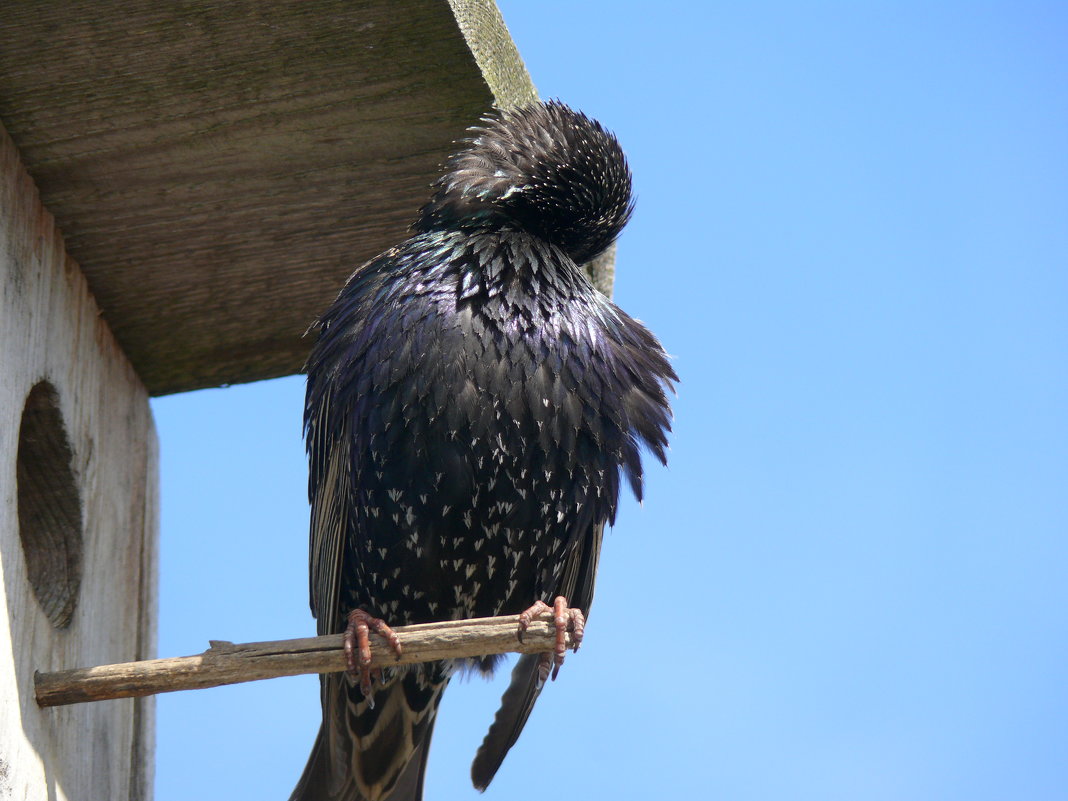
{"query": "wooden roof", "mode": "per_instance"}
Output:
(219, 169)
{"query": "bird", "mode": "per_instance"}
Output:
(473, 405)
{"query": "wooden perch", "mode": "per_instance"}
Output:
(227, 663)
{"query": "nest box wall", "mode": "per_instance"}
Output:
(78, 515)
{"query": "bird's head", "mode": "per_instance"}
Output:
(545, 168)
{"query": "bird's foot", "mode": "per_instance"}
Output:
(563, 618)
(358, 648)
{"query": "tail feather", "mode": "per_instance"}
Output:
(516, 704)
(577, 585)
(365, 754)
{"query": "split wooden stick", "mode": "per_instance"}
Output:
(227, 663)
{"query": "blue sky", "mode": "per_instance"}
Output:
(852, 580)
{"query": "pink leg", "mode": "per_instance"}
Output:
(358, 648)
(563, 617)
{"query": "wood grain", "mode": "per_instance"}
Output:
(52, 334)
(219, 169)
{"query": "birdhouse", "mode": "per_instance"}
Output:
(183, 187)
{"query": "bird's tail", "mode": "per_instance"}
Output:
(577, 584)
(516, 704)
(372, 754)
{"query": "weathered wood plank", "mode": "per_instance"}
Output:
(219, 169)
(487, 36)
(51, 331)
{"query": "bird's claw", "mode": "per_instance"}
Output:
(358, 649)
(564, 618)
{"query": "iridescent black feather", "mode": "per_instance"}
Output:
(472, 403)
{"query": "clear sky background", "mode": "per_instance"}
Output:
(852, 580)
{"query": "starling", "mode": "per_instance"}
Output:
(472, 404)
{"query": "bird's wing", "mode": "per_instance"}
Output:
(577, 585)
(329, 490)
(361, 749)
